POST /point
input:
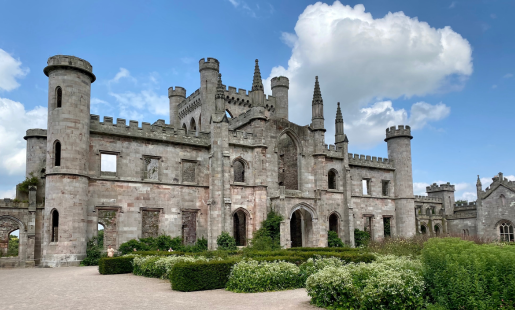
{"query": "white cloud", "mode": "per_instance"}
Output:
(362, 61)
(14, 122)
(419, 188)
(508, 75)
(468, 196)
(122, 74)
(10, 193)
(235, 3)
(10, 70)
(453, 5)
(422, 112)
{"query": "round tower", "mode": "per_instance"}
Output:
(280, 86)
(176, 96)
(66, 199)
(209, 70)
(399, 150)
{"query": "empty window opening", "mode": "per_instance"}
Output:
(108, 164)
(55, 226)
(13, 243)
(239, 171)
(437, 230)
(58, 97)
(228, 114)
(189, 228)
(331, 179)
(368, 225)
(428, 211)
(386, 187)
(185, 128)
(151, 168)
(57, 154)
(503, 200)
(100, 235)
(193, 126)
(386, 227)
(301, 228)
(333, 222)
(506, 232)
(423, 229)
(366, 186)
(288, 164)
(240, 228)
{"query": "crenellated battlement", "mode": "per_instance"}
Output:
(178, 91)
(422, 198)
(70, 62)
(242, 98)
(370, 161)
(468, 205)
(190, 104)
(158, 131)
(399, 131)
(438, 188)
(35, 133)
(210, 63)
(280, 81)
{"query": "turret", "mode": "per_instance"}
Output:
(317, 105)
(208, 81)
(444, 192)
(280, 86)
(399, 150)
(176, 96)
(257, 94)
(66, 195)
(339, 135)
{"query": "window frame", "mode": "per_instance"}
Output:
(159, 168)
(196, 162)
(369, 186)
(117, 154)
(385, 184)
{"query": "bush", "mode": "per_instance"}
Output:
(345, 249)
(252, 276)
(115, 265)
(14, 245)
(333, 240)
(25, 185)
(226, 242)
(93, 253)
(313, 265)
(346, 256)
(398, 246)
(163, 243)
(199, 276)
(464, 275)
(159, 266)
(361, 238)
(389, 283)
(267, 238)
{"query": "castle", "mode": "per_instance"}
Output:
(226, 159)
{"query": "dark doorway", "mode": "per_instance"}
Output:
(240, 228)
(288, 166)
(296, 229)
(331, 176)
(423, 229)
(333, 222)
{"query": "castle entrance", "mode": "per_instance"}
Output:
(301, 228)
(240, 228)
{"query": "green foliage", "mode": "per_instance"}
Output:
(251, 276)
(333, 240)
(464, 275)
(226, 242)
(398, 246)
(100, 238)
(14, 244)
(462, 201)
(115, 265)
(199, 276)
(344, 249)
(389, 283)
(361, 238)
(25, 185)
(93, 253)
(268, 237)
(346, 256)
(160, 266)
(313, 265)
(162, 243)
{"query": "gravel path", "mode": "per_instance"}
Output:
(85, 288)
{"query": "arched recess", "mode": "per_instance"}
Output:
(58, 97)
(185, 128)
(240, 168)
(57, 153)
(302, 218)
(428, 211)
(289, 151)
(334, 220)
(505, 231)
(437, 229)
(193, 126)
(503, 200)
(54, 225)
(423, 228)
(240, 220)
(9, 224)
(332, 179)
(200, 122)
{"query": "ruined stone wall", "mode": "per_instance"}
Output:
(494, 209)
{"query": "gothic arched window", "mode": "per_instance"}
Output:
(331, 179)
(57, 154)
(55, 226)
(239, 171)
(506, 232)
(58, 97)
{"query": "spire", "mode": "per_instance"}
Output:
(339, 116)
(478, 183)
(317, 94)
(219, 88)
(317, 108)
(338, 124)
(257, 83)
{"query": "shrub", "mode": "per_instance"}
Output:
(398, 246)
(389, 283)
(14, 245)
(464, 275)
(160, 266)
(361, 238)
(115, 265)
(333, 240)
(162, 243)
(25, 185)
(347, 256)
(199, 276)
(344, 249)
(226, 242)
(252, 276)
(93, 253)
(313, 265)
(267, 238)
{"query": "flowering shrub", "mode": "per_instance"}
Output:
(159, 266)
(388, 283)
(316, 264)
(252, 276)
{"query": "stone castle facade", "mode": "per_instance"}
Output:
(226, 159)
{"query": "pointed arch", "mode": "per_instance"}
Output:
(304, 206)
(332, 179)
(239, 168)
(503, 200)
(334, 222)
(20, 224)
(58, 97)
(185, 128)
(193, 126)
(57, 153)
(437, 229)
(54, 225)
(288, 149)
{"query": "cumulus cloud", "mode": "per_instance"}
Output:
(508, 75)
(10, 70)
(362, 61)
(14, 122)
(419, 188)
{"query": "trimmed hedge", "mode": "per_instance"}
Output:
(189, 277)
(115, 265)
(347, 256)
(207, 254)
(332, 249)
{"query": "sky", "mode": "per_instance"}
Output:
(446, 68)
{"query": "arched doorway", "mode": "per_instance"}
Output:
(240, 228)
(437, 230)
(423, 229)
(301, 228)
(9, 237)
(100, 235)
(288, 162)
(333, 222)
(193, 126)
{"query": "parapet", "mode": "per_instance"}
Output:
(401, 131)
(370, 161)
(35, 133)
(211, 63)
(70, 62)
(280, 81)
(438, 188)
(467, 205)
(178, 91)
(419, 198)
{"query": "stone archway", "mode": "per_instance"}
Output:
(333, 223)
(302, 227)
(240, 228)
(7, 226)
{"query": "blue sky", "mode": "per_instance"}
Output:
(444, 67)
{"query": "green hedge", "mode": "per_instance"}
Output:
(347, 256)
(332, 249)
(115, 265)
(189, 277)
(208, 254)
